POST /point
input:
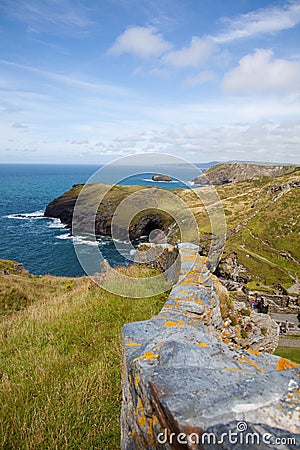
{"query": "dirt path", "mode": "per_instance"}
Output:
(285, 342)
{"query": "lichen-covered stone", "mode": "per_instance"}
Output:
(178, 377)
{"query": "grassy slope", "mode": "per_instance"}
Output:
(60, 360)
(292, 353)
(273, 229)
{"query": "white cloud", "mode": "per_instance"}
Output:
(19, 125)
(261, 73)
(261, 21)
(194, 55)
(200, 78)
(144, 42)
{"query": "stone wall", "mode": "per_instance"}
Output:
(179, 377)
(278, 303)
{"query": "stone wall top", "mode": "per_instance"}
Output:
(178, 377)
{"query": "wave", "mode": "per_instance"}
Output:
(79, 239)
(56, 223)
(24, 216)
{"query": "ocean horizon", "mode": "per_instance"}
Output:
(44, 245)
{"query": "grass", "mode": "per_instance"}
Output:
(296, 337)
(60, 363)
(291, 353)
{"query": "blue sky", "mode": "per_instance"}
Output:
(88, 81)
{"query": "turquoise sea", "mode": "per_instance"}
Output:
(43, 245)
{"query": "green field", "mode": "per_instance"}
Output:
(291, 353)
(60, 361)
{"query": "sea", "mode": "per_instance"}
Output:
(43, 245)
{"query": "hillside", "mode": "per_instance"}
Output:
(262, 213)
(262, 221)
(60, 360)
(235, 172)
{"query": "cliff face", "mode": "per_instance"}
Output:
(228, 173)
(96, 215)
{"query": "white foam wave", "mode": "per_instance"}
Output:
(24, 216)
(119, 241)
(79, 239)
(56, 223)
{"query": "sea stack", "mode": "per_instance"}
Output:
(161, 177)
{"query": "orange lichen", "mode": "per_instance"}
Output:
(233, 369)
(170, 323)
(202, 344)
(251, 363)
(200, 302)
(284, 364)
(253, 352)
(226, 334)
(142, 420)
(133, 344)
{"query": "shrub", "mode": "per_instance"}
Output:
(233, 320)
(244, 333)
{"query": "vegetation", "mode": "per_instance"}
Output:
(262, 217)
(60, 361)
(262, 227)
(292, 353)
(60, 338)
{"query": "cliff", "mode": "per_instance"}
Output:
(262, 222)
(100, 202)
(234, 172)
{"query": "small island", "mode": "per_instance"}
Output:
(161, 177)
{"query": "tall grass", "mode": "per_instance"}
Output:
(60, 367)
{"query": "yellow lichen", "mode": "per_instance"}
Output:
(136, 381)
(147, 355)
(133, 344)
(202, 344)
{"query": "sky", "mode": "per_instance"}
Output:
(89, 81)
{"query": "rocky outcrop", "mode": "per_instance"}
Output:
(245, 328)
(279, 189)
(183, 387)
(165, 258)
(161, 177)
(234, 172)
(233, 274)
